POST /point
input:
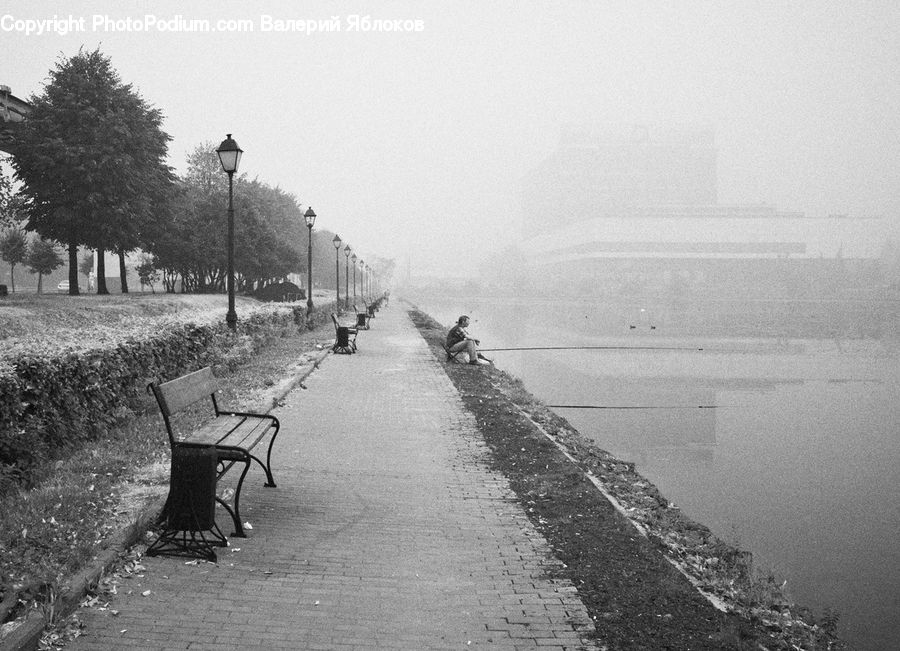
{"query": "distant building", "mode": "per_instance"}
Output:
(633, 214)
(600, 173)
(12, 112)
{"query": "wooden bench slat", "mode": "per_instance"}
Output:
(249, 433)
(186, 390)
(211, 432)
(235, 431)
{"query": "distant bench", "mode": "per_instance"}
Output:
(344, 337)
(232, 434)
(362, 318)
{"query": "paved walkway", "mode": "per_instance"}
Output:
(387, 530)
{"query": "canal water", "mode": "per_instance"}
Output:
(788, 448)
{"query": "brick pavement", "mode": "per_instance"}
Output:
(387, 530)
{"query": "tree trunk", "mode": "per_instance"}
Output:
(73, 269)
(40, 282)
(123, 274)
(101, 271)
(12, 277)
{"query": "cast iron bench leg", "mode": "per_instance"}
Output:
(236, 513)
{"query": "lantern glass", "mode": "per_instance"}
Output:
(229, 155)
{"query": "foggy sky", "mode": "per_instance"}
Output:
(413, 145)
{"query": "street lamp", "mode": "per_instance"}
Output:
(362, 280)
(310, 217)
(347, 275)
(230, 156)
(353, 257)
(337, 271)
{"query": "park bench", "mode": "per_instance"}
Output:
(344, 337)
(362, 318)
(230, 434)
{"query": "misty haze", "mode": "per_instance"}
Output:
(745, 357)
(677, 223)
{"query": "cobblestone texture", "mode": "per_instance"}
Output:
(387, 530)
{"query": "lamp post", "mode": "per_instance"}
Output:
(310, 217)
(337, 271)
(362, 280)
(230, 156)
(347, 275)
(353, 257)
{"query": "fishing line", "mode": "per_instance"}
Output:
(635, 407)
(592, 348)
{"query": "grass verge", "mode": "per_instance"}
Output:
(51, 532)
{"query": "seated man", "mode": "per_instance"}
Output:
(458, 340)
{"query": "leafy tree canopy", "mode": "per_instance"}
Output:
(12, 209)
(192, 240)
(14, 250)
(43, 257)
(91, 158)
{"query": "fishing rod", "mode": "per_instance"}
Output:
(592, 348)
(635, 407)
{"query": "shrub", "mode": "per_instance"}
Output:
(51, 400)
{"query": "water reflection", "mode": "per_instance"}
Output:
(664, 416)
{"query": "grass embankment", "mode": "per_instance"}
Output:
(83, 500)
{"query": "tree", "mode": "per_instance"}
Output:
(190, 242)
(147, 272)
(13, 249)
(5, 196)
(11, 203)
(43, 257)
(91, 161)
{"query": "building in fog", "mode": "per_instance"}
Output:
(12, 113)
(632, 215)
(598, 174)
